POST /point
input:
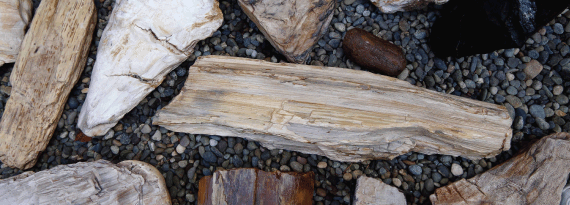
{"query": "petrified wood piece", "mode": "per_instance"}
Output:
(50, 62)
(99, 182)
(373, 53)
(144, 41)
(393, 6)
(535, 176)
(291, 26)
(14, 18)
(374, 191)
(253, 186)
(344, 114)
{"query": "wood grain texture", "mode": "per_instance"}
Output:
(144, 41)
(99, 182)
(374, 191)
(291, 26)
(50, 62)
(393, 6)
(14, 18)
(536, 176)
(253, 186)
(346, 115)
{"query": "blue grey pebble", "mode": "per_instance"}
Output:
(237, 161)
(511, 90)
(254, 161)
(359, 9)
(533, 54)
(209, 157)
(420, 34)
(436, 177)
(125, 139)
(334, 43)
(206, 172)
(73, 103)
(443, 170)
(537, 111)
(415, 169)
(439, 64)
(499, 98)
(558, 28)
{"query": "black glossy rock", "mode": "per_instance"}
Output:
(470, 27)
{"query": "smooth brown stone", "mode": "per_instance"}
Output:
(51, 59)
(535, 176)
(253, 186)
(373, 53)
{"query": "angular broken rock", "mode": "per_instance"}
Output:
(99, 182)
(50, 62)
(535, 176)
(344, 114)
(143, 42)
(14, 18)
(374, 191)
(393, 6)
(253, 186)
(291, 26)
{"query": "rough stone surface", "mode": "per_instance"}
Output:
(14, 18)
(373, 53)
(374, 191)
(532, 69)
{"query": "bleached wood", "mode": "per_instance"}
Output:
(14, 18)
(535, 176)
(144, 41)
(393, 6)
(99, 182)
(374, 191)
(344, 114)
(51, 60)
(291, 26)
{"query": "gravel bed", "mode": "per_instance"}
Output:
(536, 97)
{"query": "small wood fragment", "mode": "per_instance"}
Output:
(253, 186)
(14, 18)
(536, 176)
(143, 42)
(99, 182)
(291, 26)
(52, 57)
(374, 191)
(344, 114)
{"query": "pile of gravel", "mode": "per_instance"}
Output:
(537, 105)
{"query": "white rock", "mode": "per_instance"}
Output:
(15, 15)
(392, 6)
(374, 191)
(213, 142)
(180, 149)
(143, 41)
(146, 129)
(157, 136)
(109, 135)
(456, 169)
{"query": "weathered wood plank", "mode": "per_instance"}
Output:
(344, 114)
(536, 176)
(14, 18)
(51, 60)
(291, 26)
(253, 186)
(99, 182)
(143, 42)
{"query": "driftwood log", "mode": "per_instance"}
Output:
(292, 26)
(50, 62)
(536, 176)
(253, 186)
(393, 6)
(99, 182)
(144, 41)
(374, 191)
(344, 114)
(14, 18)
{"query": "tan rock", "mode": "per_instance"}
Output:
(532, 69)
(143, 42)
(52, 57)
(99, 182)
(14, 18)
(536, 176)
(291, 26)
(373, 191)
(393, 6)
(344, 114)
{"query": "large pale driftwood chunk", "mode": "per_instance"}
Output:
(344, 114)
(144, 41)
(14, 18)
(99, 182)
(536, 176)
(291, 26)
(51, 60)
(253, 186)
(373, 191)
(393, 6)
